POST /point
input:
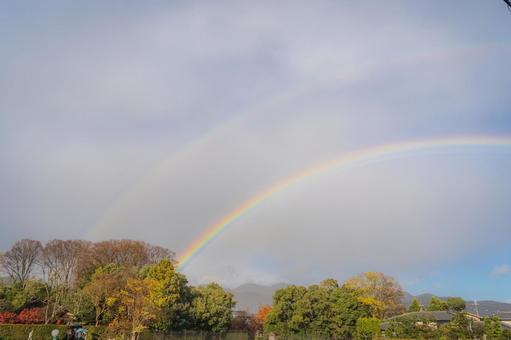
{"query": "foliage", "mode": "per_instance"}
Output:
(171, 295)
(435, 304)
(411, 328)
(7, 317)
(383, 293)
(324, 310)
(460, 327)
(367, 328)
(17, 297)
(136, 308)
(103, 288)
(415, 306)
(211, 308)
(456, 304)
(262, 315)
(30, 316)
(493, 328)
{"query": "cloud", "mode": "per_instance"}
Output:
(501, 270)
(154, 122)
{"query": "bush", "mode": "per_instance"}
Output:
(7, 317)
(30, 316)
(367, 328)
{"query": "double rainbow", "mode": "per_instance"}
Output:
(349, 160)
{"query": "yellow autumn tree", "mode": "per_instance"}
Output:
(136, 307)
(381, 292)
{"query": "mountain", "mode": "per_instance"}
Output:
(250, 296)
(484, 307)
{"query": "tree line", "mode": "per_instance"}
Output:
(369, 306)
(126, 285)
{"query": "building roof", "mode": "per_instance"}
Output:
(439, 316)
(434, 316)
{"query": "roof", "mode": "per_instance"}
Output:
(436, 316)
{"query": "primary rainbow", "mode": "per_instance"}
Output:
(352, 159)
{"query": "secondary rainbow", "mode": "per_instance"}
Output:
(348, 160)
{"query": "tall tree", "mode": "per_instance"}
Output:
(436, 304)
(103, 288)
(415, 306)
(20, 260)
(383, 293)
(456, 304)
(212, 308)
(171, 294)
(136, 307)
(58, 265)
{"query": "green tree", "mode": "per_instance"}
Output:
(282, 319)
(493, 328)
(367, 328)
(435, 304)
(460, 327)
(325, 310)
(456, 304)
(172, 295)
(211, 308)
(415, 306)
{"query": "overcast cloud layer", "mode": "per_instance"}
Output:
(152, 121)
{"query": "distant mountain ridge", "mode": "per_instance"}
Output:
(483, 308)
(250, 296)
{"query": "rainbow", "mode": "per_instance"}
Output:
(349, 160)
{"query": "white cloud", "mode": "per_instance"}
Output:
(501, 270)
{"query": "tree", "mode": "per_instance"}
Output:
(212, 308)
(415, 306)
(325, 310)
(20, 260)
(456, 304)
(102, 289)
(493, 328)
(125, 253)
(171, 294)
(435, 304)
(383, 293)
(367, 328)
(262, 315)
(58, 265)
(460, 327)
(282, 319)
(136, 308)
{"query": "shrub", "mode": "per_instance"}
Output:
(30, 316)
(7, 317)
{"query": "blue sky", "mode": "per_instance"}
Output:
(152, 120)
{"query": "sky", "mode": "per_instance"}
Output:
(152, 120)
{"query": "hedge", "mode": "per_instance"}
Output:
(42, 332)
